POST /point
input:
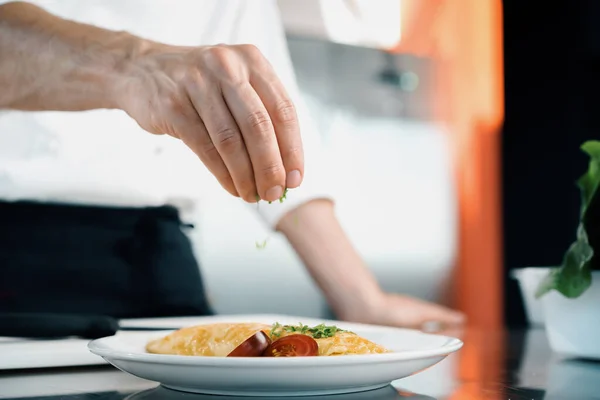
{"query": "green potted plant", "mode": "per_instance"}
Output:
(570, 293)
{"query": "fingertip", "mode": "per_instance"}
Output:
(250, 195)
(274, 193)
(454, 318)
(293, 179)
(228, 185)
(233, 192)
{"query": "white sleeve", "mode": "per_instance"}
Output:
(270, 39)
(369, 23)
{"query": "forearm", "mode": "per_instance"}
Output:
(49, 63)
(316, 235)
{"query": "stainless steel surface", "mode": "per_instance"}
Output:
(365, 81)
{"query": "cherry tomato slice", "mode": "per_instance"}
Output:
(293, 346)
(254, 346)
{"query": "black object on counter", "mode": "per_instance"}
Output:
(53, 326)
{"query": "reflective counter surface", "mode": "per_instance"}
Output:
(511, 364)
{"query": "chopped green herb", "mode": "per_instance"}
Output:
(261, 245)
(322, 330)
(283, 196)
(276, 329)
(317, 332)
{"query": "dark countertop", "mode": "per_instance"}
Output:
(511, 364)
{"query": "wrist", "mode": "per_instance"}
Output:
(360, 303)
(132, 59)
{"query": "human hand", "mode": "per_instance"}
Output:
(228, 106)
(347, 283)
(407, 312)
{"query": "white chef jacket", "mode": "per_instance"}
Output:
(102, 157)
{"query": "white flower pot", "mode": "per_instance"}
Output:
(529, 279)
(573, 325)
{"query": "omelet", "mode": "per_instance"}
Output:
(332, 341)
(213, 340)
(220, 339)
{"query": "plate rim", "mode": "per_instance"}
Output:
(99, 347)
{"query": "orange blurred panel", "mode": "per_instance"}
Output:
(464, 38)
(417, 19)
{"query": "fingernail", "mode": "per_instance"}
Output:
(293, 179)
(274, 193)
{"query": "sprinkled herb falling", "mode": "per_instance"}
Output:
(261, 245)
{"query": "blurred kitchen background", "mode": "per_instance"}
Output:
(454, 131)
(394, 186)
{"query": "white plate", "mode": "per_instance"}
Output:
(302, 376)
